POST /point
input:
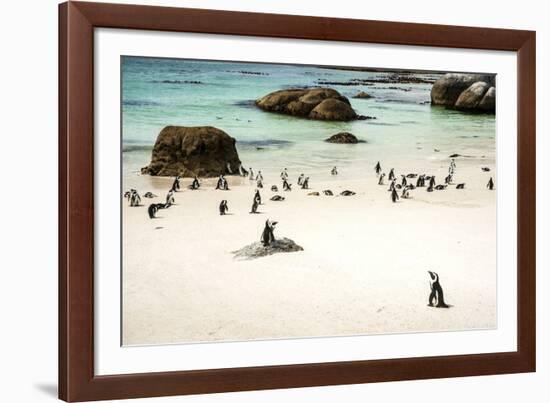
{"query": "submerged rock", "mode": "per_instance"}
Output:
(257, 249)
(311, 103)
(362, 95)
(471, 92)
(343, 138)
(204, 151)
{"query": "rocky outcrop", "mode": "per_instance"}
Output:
(312, 103)
(362, 95)
(204, 151)
(257, 249)
(343, 138)
(469, 92)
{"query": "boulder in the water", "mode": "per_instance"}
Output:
(470, 92)
(257, 249)
(362, 95)
(203, 151)
(343, 138)
(311, 103)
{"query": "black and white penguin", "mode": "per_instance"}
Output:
(153, 208)
(334, 171)
(347, 193)
(449, 179)
(259, 183)
(381, 179)
(176, 184)
(392, 185)
(277, 198)
(486, 169)
(274, 188)
(491, 184)
(403, 181)
(300, 179)
(436, 292)
(267, 235)
(394, 196)
(391, 175)
(259, 176)
(378, 168)
(170, 198)
(135, 199)
(286, 186)
(405, 194)
(412, 176)
(305, 183)
(460, 186)
(254, 209)
(441, 187)
(420, 181)
(284, 174)
(257, 197)
(432, 181)
(328, 192)
(219, 184)
(223, 207)
(149, 195)
(251, 174)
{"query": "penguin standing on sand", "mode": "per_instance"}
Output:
(284, 174)
(404, 181)
(305, 183)
(195, 184)
(254, 209)
(394, 195)
(391, 176)
(176, 184)
(392, 185)
(223, 207)
(300, 179)
(286, 186)
(436, 293)
(251, 174)
(259, 183)
(257, 197)
(381, 179)
(405, 194)
(432, 181)
(219, 184)
(135, 199)
(334, 171)
(267, 235)
(491, 184)
(259, 177)
(449, 179)
(378, 168)
(170, 198)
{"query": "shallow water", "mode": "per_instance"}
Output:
(161, 92)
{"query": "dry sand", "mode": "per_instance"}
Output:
(363, 269)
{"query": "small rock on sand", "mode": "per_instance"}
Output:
(257, 249)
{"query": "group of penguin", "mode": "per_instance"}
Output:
(405, 186)
(436, 297)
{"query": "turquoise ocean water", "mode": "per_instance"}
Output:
(160, 92)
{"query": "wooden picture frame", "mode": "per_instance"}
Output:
(77, 381)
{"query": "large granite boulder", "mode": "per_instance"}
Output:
(343, 138)
(465, 92)
(204, 151)
(311, 103)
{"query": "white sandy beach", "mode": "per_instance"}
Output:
(363, 269)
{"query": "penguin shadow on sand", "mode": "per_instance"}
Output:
(436, 298)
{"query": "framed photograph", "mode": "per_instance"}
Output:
(258, 201)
